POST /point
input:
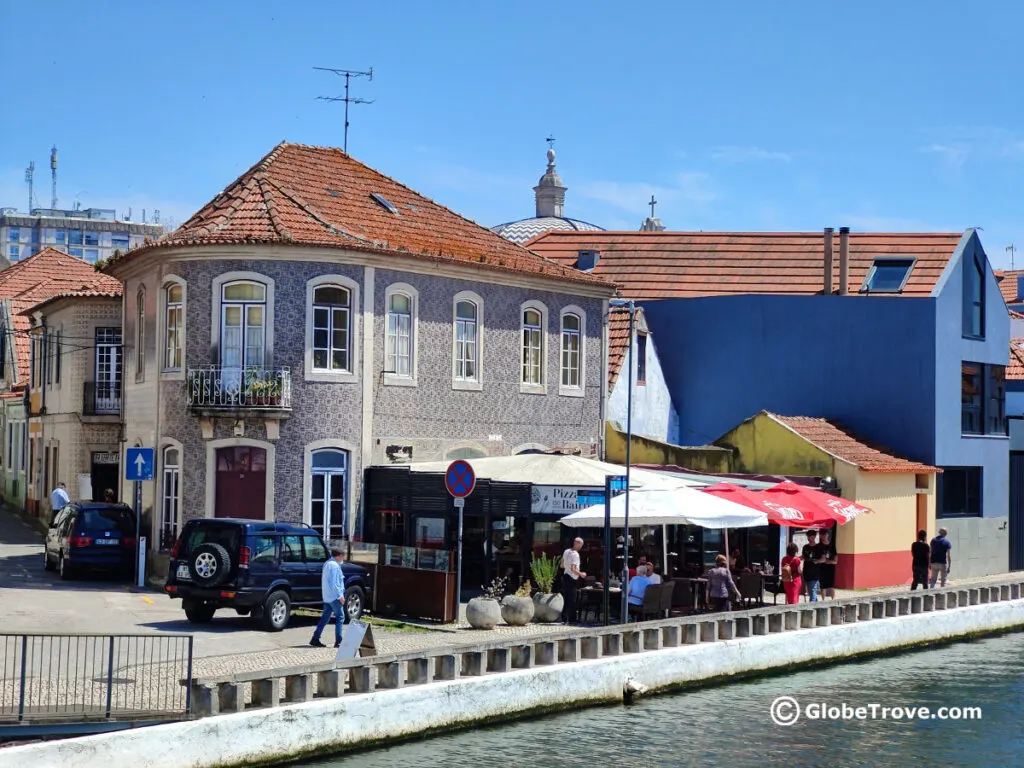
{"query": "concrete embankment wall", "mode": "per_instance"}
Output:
(278, 734)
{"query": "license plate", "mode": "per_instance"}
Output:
(182, 572)
(108, 541)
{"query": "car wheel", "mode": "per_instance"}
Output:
(65, 569)
(199, 613)
(209, 564)
(47, 562)
(355, 600)
(277, 609)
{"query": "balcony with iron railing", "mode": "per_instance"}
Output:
(220, 390)
(101, 398)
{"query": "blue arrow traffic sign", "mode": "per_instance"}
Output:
(138, 464)
(460, 479)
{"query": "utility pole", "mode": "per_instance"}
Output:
(348, 74)
(1011, 249)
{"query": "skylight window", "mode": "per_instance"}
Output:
(384, 202)
(887, 275)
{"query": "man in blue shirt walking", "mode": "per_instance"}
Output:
(332, 591)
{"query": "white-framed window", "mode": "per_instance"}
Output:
(173, 352)
(242, 323)
(533, 348)
(467, 340)
(572, 340)
(140, 334)
(332, 304)
(329, 493)
(402, 305)
(170, 495)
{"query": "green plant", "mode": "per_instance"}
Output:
(544, 570)
(495, 590)
(524, 589)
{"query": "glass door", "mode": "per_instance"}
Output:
(107, 392)
(327, 502)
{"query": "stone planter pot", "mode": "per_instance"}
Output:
(517, 611)
(547, 608)
(483, 613)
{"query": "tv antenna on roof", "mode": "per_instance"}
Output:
(348, 74)
(1011, 249)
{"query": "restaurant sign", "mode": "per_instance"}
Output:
(558, 499)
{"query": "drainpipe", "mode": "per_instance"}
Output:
(844, 260)
(827, 285)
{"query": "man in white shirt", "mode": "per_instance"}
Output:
(652, 575)
(58, 500)
(570, 580)
(332, 592)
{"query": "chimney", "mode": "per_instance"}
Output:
(844, 260)
(828, 262)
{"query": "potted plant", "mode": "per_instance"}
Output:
(517, 610)
(484, 612)
(547, 605)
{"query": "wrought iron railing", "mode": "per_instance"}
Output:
(86, 677)
(101, 398)
(222, 387)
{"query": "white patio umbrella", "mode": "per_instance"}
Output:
(676, 505)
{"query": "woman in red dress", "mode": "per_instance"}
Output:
(792, 568)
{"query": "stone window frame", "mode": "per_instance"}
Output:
(307, 478)
(579, 390)
(355, 312)
(217, 289)
(140, 334)
(394, 379)
(524, 387)
(476, 384)
(211, 471)
(172, 374)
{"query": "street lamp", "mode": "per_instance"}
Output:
(629, 445)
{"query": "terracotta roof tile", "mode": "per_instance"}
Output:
(618, 343)
(1007, 279)
(661, 265)
(1015, 370)
(39, 278)
(1015, 315)
(319, 196)
(843, 444)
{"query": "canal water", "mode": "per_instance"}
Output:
(731, 726)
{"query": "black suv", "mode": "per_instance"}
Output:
(257, 568)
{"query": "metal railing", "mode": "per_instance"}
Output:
(86, 677)
(223, 387)
(101, 398)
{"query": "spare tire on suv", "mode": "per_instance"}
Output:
(209, 564)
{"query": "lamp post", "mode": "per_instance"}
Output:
(629, 445)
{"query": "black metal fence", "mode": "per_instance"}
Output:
(87, 677)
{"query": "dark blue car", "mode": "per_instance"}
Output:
(257, 568)
(91, 536)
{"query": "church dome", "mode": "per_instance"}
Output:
(550, 199)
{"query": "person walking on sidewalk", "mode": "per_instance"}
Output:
(920, 555)
(332, 592)
(58, 500)
(942, 557)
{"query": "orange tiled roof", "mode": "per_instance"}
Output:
(661, 265)
(39, 278)
(1007, 279)
(1015, 370)
(618, 343)
(842, 444)
(319, 196)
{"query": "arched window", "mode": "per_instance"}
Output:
(332, 328)
(571, 350)
(467, 340)
(400, 337)
(174, 317)
(243, 325)
(170, 495)
(533, 347)
(140, 334)
(328, 507)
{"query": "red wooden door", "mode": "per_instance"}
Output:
(241, 482)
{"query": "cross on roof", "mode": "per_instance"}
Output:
(551, 142)
(652, 204)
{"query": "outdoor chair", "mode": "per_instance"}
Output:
(776, 587)
(667, 592)
(651, 605)
(750, 589)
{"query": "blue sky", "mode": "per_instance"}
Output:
(740, 116)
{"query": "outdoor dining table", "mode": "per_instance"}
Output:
(696, 587)
(592, 596)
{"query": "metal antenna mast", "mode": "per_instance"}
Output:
(1011, 249)
(53, 172)
(348, 74)
(30, 175)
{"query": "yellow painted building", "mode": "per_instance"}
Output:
(873, 549)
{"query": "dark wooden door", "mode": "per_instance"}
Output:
(241, 482)
(1016, 511)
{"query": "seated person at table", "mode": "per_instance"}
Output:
(652, 574)
(737, 562)
(637, 586)
(613, 581)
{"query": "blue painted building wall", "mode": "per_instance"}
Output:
(654, 415)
